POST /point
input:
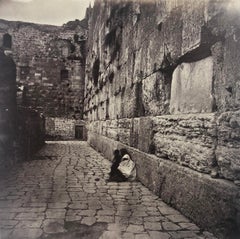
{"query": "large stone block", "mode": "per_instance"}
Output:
(112, 129)
(191, 90)
(145, 134)
(227, 151)
(186, 139)
(193, 20)
(124, 130)
(155, 94)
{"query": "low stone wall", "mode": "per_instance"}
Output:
(213, 204)
(64, 129)
(60, 128)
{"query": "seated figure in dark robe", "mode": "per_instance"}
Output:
(115, 175)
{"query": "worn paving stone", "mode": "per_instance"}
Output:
(108, 219)
(55, 213)
(153, 226)
(183, 234)
(189, 226)
(169, 226)
(110, 235)
(21, 233)
(128, 235)
(142, 236)
(135, 228)
(88, 220)
(177, 218)
(40, 197)
(29, 224)
(158, 235)
(53, 226)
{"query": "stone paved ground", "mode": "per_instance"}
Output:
(63, 194)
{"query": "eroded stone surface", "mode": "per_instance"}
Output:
(191, 89)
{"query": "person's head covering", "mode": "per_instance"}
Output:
(123, 151)
(116, 152)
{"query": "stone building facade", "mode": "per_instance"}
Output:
(162, 80)
(50, 64)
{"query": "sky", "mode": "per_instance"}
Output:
(54, 12)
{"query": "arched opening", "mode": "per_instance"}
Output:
(7, 41)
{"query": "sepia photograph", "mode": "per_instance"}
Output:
(119, 119)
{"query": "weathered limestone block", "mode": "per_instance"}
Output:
(124, 129)
(227, 151)
(128, 100)
(193, 19)
(231, 78)
(191, 90)
(186, 139)
(112, 129)
(115, 105)
(156, 94)
(141, 134)
(172, 34)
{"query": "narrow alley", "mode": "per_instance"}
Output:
(63, 193)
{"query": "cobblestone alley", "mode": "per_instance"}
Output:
(63, 194)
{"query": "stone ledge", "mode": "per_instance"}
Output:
(213, 204)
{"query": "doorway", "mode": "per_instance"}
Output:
(79, 132)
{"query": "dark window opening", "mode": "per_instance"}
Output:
(7, 41)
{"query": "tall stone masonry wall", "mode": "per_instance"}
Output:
(162, 79)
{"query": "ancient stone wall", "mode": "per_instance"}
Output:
(50, 65)
(59, 128)
(64, 129)
(162, 80)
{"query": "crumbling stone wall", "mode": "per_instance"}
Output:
(162, 80)
(50, 65)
